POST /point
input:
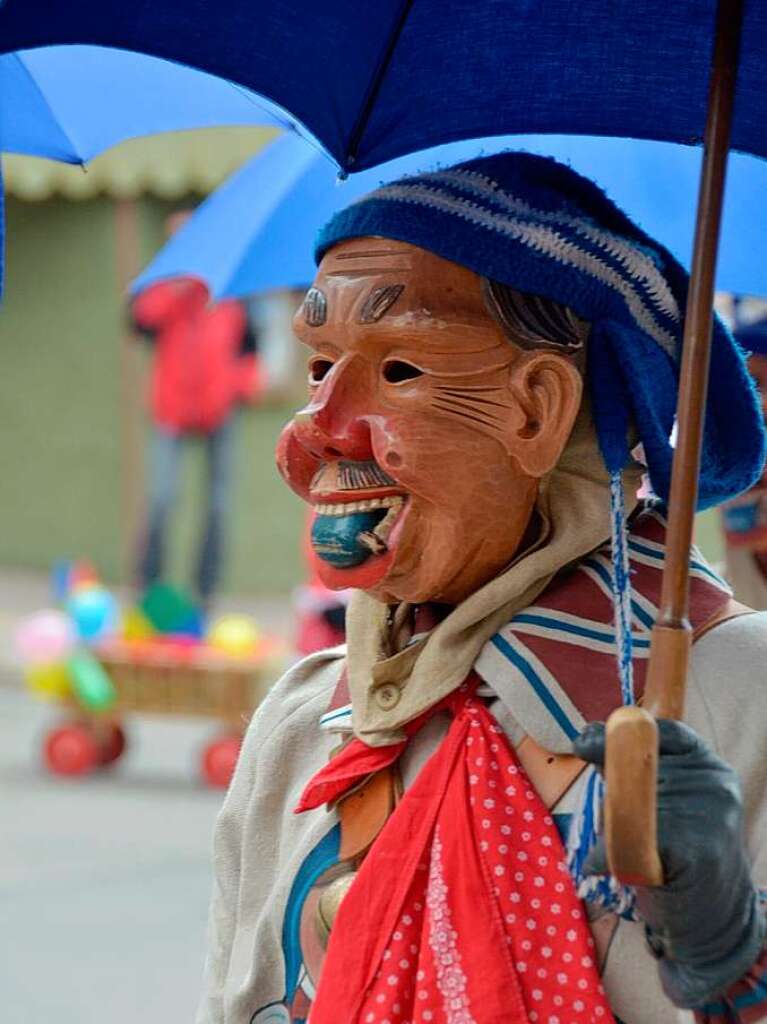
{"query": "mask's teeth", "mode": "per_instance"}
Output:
(350, 507)
(384, 528)
(369, 540)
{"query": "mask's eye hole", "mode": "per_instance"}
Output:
(319, 368)
(397, 371)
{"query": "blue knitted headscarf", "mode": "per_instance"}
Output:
(538, 227)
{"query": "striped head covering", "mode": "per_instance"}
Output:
(539, 227)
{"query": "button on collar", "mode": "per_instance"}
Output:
(387, 696)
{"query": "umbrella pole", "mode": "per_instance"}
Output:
(632, 735)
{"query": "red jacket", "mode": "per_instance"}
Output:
(204, 359)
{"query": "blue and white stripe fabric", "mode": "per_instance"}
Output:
(338, 720)
(552, 659)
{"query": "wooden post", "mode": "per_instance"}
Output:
(632, 736)
(127, 263)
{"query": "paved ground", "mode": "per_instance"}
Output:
(104, 883)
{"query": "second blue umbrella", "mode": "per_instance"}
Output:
(255, 233)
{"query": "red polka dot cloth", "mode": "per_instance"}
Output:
(463, 911)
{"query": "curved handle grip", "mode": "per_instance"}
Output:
(631, 761)
(631, 771)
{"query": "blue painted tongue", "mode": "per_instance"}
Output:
(334, 538)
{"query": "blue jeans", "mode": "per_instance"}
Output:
(165, 461)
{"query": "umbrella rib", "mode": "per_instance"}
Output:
(375, 85)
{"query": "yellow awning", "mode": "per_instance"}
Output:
(170, 165)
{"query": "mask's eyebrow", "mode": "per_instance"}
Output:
(379, 301)
(315, 306)
(355, 264)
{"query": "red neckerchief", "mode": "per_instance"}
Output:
(463, 911)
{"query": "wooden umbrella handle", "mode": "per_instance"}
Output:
(632, 736)
(631, 766)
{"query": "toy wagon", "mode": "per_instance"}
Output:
(199, 682)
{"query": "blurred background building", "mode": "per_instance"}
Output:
(72, 392)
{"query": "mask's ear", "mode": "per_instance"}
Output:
(548, 391)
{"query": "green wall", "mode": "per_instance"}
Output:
(60, 418)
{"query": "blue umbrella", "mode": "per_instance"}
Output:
(289, 192)
(70, 103)
(375, 80)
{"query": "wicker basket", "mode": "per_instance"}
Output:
(205, 687)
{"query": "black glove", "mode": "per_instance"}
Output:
(704, 923)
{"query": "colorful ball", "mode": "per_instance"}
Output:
(90, 682)
(52, 682)
(82, 574)
(44, 638)
(167, 607)
(237, 635)
(136, 626)
(61, 574)
(94, 612)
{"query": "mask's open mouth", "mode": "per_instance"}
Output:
(347, 533)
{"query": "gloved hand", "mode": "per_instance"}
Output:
(704, 923)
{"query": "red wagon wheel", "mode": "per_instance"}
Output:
(71, 750)
(112, 743)
(219, 759)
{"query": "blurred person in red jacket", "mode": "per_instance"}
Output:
(205, 365)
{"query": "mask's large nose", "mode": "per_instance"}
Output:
(336, 423)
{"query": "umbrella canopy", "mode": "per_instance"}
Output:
(70, 103)
(373, 81)
(256, 232)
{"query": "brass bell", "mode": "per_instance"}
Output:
(329, 903)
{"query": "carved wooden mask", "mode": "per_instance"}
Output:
(427, 430)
